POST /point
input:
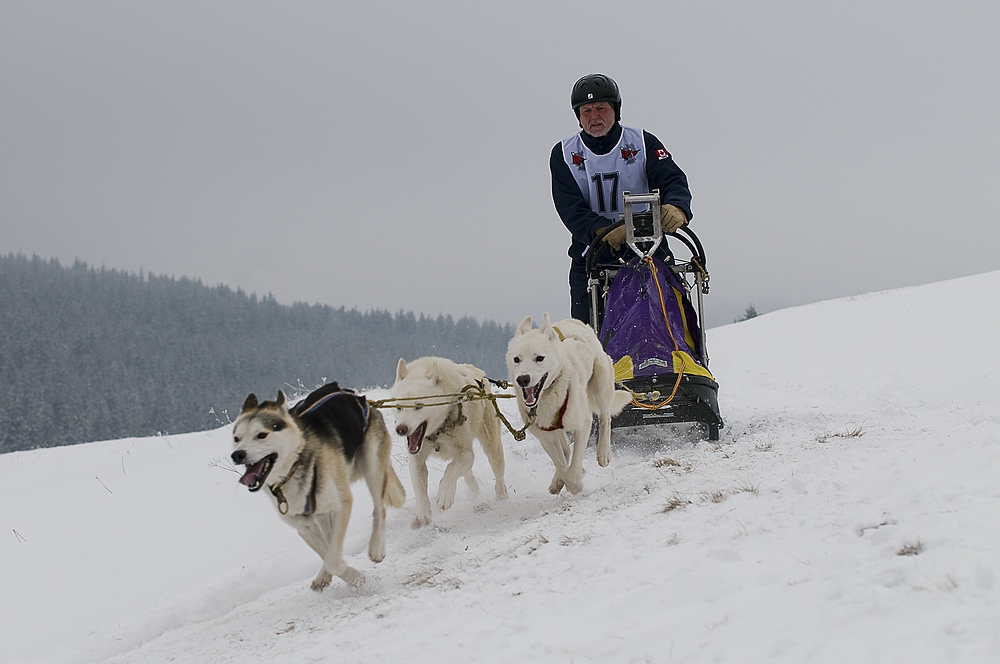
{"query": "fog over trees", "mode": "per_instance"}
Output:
(93, 354)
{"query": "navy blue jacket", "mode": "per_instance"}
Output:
(582, 222)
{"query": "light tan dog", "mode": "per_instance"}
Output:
(432, 426)
(563, 376)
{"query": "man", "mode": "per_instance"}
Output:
(591, 170)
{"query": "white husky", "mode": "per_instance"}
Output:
(563, 376)
(432, 424)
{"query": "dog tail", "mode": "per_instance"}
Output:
(393, 492)
(620, 400)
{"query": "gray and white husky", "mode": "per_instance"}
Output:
(563, 376)
(308, 456)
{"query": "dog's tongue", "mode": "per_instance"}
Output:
(530, 395)
(252, 476)
(414, 439)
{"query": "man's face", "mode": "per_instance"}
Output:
(597, 118)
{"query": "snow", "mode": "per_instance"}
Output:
(849, 514)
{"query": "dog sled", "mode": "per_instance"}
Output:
(641, 308)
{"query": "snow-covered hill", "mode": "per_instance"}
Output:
(850, 514)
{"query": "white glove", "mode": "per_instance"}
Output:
(671, 218)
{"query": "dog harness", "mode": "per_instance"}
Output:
(558, 423)
(309, 404)
(454, 420)
(280, 497)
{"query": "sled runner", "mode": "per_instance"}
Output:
(640, 306)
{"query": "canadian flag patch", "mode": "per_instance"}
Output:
(662, 154)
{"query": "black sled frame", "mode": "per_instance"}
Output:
(697, 397)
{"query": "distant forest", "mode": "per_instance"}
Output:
(93, 354)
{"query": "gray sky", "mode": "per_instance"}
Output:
(395, 155)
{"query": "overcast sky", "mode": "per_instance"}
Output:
(395, 155)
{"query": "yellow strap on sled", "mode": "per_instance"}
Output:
(686, 364)
(624, 369)
(684, 321)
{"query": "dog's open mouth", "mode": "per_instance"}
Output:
(532, 392)
(416, 437)
(257, 473)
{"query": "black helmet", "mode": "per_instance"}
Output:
(596, 87)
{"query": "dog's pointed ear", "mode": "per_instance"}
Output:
(281, 399)
(250, 403)
(524, 327)
(547, 329)
(401, 369)
(433, 373)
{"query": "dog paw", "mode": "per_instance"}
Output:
(322, 580)
(353, 577)
(556, 486)
(575, 484)
(445, 499)
(421, 520)
(603, 453)
(376, 553)
(501, 489)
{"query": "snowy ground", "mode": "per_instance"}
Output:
(851, 514)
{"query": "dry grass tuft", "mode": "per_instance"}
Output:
(432, 577)
(914, 549)
(528, 545)
(225, 464)
(856, 433)
(676, 502)
(716, 496)
(421, 578)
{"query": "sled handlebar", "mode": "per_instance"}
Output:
(684, 234)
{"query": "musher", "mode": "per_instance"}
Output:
(592, 168)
